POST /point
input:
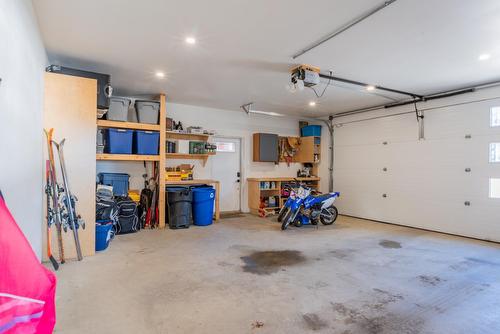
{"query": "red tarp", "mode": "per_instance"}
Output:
(27, 289)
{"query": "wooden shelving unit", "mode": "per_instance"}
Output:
(255, 192)
(188, 136)
(160, 158)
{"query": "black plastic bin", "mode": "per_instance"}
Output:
(179, 212)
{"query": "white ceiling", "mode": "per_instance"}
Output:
(244, 48)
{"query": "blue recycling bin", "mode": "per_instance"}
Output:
(203, 205)
(103, 234)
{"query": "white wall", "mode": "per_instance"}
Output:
(225, 123)
(22, 63)
(425, 182)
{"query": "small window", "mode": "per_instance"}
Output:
(225, 147)
(494, 188)
(495, 116)
(494, 152)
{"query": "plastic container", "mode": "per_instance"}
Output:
(197, 147)
(147, 111)
(146, 142)
(119, 182)
(179, 208)
(311, 131)
(118, 109)
(118, 141)
(103, 234)
(203, 205)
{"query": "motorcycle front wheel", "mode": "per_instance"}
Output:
(287, 220)
(282, 213)
(329, 215)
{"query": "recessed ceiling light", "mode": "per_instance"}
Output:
(160, 75)
(370, 88)
(312, 103)
(190, 40)
(485, 56)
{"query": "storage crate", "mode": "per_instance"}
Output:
(147, 111)
(146, 142)
(119, 182)
(197, 147)
(119, 141)
(311, 131)
(118, 109)
(101, 133)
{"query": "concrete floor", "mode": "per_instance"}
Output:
(355, 277)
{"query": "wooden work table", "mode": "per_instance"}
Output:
(215, 183)
(256, 191)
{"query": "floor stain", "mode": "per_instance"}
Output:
(386, 297)
(389, 244)
(314, 322)
(369, 320)
(318, 285)
(257, 324)
(268, 262)
(431, 280)
(341, 254)
(481, 261)
(224, 264)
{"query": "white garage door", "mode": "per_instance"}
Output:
(441, 183)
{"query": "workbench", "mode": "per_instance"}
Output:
(199, 182)
(257, 190)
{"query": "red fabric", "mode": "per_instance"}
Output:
(27, 288)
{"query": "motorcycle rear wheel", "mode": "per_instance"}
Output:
(329, 217)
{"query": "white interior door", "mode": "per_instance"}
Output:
(226, 168)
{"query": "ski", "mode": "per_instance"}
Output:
(50, 215)
(69, 201)
(55, 195)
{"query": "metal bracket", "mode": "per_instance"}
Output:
(247, 107)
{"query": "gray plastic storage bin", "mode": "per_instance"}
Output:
(118, 109)
(147, 111)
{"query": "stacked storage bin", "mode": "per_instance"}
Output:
(146, 142)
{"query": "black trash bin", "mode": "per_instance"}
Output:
(179, 206)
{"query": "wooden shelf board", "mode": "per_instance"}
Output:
(127, 125)
(283, 179)
(274, 189)
(127, 157)
(186, 136)
(186, 156)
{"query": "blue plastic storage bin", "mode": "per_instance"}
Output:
(146, 142)
(311, 131)
(103, 234)
(119, 182)
(203, 205)
(119, 141)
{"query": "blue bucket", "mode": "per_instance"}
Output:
(203, 205)
(103, 234)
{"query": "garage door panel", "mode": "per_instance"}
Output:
(427, 182)
(368, 156)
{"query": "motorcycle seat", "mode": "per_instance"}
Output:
(323, 196)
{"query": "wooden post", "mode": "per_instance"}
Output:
(162, 163)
